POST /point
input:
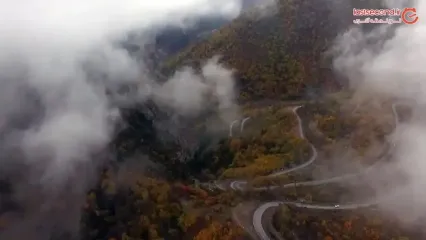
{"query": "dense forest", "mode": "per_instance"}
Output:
(278, 55)
(294, 223)
(128, 205)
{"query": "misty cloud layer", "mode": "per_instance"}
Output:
(390, 61)
(59, 66)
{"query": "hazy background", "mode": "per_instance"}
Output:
(61, 69)
(58, 59)
(389, 61)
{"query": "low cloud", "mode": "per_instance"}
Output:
(60, 71)
(189, 92)
(388, 60)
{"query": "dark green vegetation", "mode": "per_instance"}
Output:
(279, 57)
(296, 223)
(173, 39)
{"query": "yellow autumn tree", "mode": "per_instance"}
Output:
(218, 231)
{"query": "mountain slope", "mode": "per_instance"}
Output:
(277, 55)
(173, 39)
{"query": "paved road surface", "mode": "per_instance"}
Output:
(258, 214)
(240, 184)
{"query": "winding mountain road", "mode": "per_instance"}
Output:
(258, 214)
(240, 184)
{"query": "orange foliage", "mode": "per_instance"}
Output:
(348, 225)
(218, 231)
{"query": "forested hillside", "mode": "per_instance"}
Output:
(278, 55)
